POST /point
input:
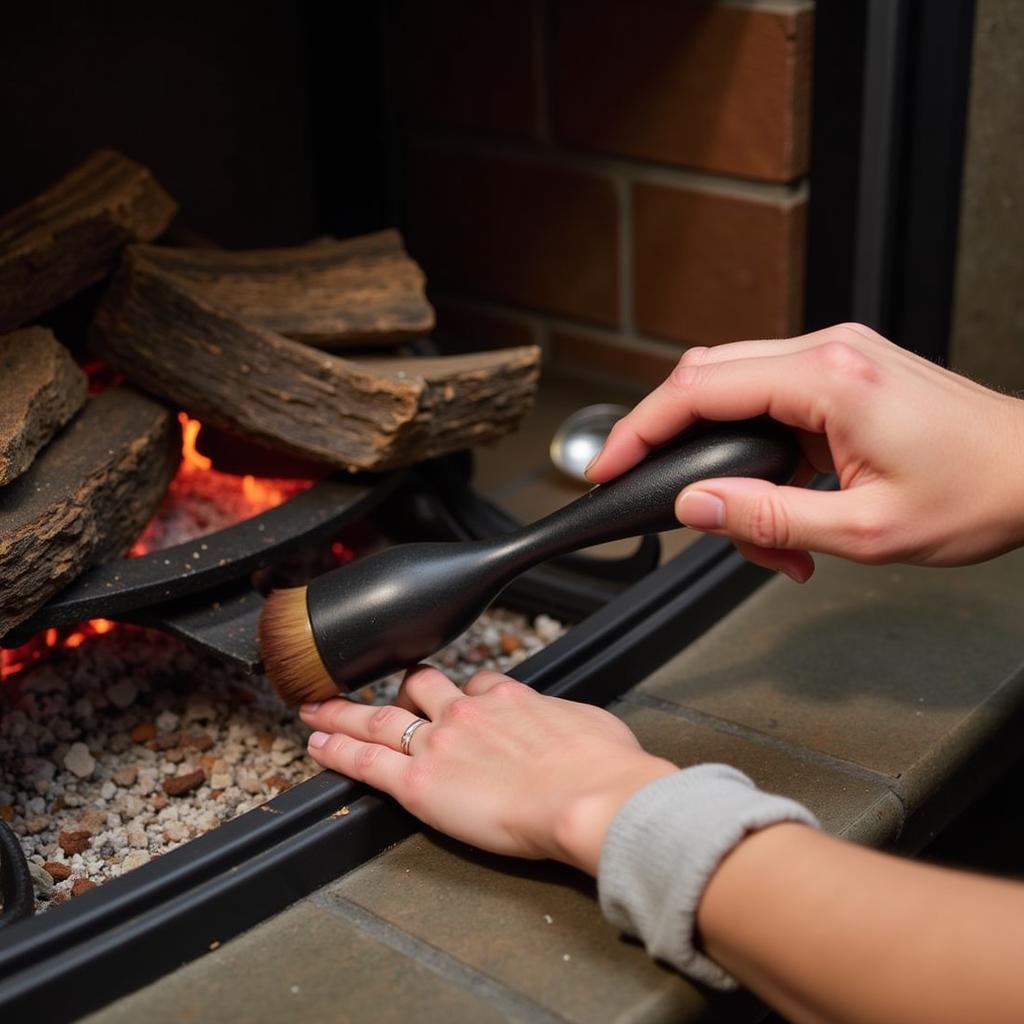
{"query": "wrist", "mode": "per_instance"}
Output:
(583, 821)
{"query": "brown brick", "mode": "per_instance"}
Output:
(463, 328)
(578, 350)
(721, 89)
(521, 231)
(711, 268)
(471, 64)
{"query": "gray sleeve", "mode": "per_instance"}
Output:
(664, 845)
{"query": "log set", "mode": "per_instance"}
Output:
(170, 338)
(85, 499)
(332, 294)
(42, 387)
(70, 236)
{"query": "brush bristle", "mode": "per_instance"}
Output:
(289, 651)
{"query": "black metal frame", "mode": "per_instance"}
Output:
(890, 87)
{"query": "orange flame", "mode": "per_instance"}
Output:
(242, 497)
(190, 432)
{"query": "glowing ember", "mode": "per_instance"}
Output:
(199, 500)
(17, 659)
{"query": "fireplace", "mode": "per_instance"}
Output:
(150, 662)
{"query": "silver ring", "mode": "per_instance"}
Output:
(409, 731)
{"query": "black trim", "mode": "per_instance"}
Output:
(891, 86)
(18, 895)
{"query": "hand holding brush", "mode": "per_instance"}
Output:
(390, 610)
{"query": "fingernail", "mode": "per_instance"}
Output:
(591, 464)
(308, 709)
(793, 575)
(317, 739)
(701, 510)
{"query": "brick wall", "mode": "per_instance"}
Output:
(613, 179)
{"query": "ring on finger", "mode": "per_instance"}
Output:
(410, 731)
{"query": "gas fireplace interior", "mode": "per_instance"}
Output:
(227, 366)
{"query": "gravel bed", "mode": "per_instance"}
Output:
(125, 747)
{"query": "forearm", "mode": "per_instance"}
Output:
(827, 931)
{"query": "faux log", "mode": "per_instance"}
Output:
(173, 341)
(43, 388)
(85, 499)
(69, 237)
(332, 294)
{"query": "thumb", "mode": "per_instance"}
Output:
(765, 515)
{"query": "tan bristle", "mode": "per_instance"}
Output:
(289, 650)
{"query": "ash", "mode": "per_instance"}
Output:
(124, 748)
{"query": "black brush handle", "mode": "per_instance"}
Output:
(642, 500)
(387, 611)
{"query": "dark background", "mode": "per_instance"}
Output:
(266, 121)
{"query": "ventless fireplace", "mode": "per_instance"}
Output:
(133, 690)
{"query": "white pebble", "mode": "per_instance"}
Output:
(122, 694)
(167, 721)
(79, 761)
(135, 859)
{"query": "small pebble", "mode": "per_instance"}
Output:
(57, 871)
(81, 885)
(41, 879)
(143, 731)
(167, 721)
(125, 776)
(178, 785)
(122, 694)
(135, 859)
(79, 761)
(74, 842)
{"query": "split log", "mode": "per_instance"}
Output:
(85, 499)
(43, 389)
(173, 341)
(69, 237)
(330, 294)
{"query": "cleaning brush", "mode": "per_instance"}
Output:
(388, 611)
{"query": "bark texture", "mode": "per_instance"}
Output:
(85, 499)
(43, 388)
(67, 238)
(332, 294)
(171, 339)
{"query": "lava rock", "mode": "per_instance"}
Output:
(74, 842)
(178, 785)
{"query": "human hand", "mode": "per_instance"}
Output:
(930, 464)
(498, 765)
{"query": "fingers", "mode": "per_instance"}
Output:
(799, 389)
(372, 763)
(771, 518)
(797, 565)
(483, 681)
(385, 725)
(428, 690)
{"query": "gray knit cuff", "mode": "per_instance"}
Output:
(663, 847)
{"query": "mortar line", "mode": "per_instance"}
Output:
(633, 339)
(624, 188)
(514, 1005)
(800, 753)
(644, 171)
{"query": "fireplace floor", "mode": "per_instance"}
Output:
(127, 746)
(884, 699)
